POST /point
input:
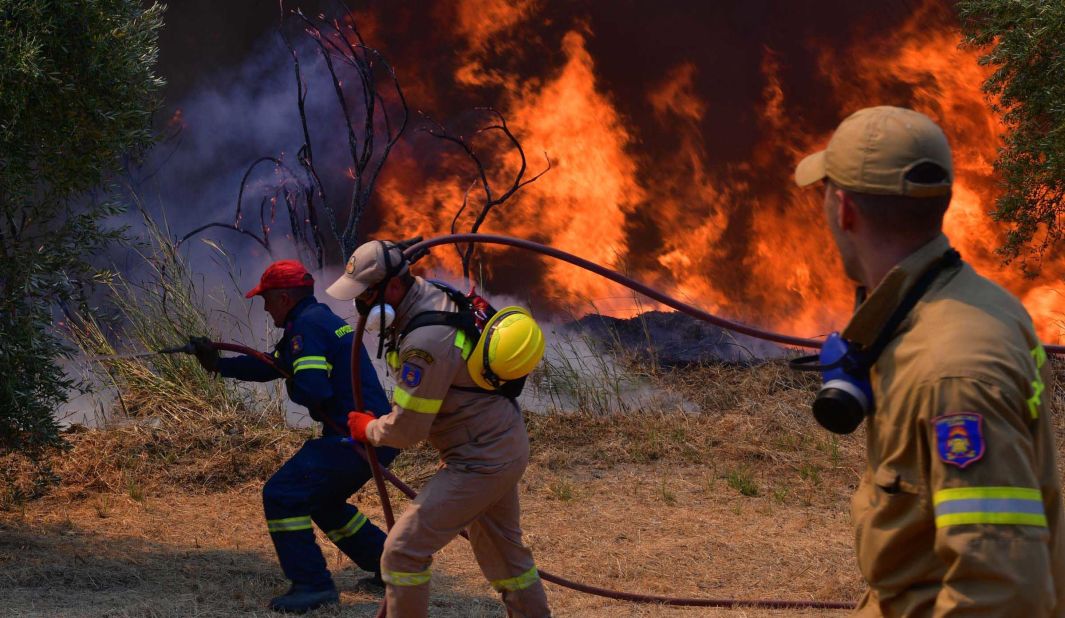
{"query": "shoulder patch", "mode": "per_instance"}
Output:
(297, 344)
(416, 353)
(959, 438)
(411, 375)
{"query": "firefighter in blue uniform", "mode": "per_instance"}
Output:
(314, 485)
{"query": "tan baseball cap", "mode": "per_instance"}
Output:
(366, 268)
(873, 149)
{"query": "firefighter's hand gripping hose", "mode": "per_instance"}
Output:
(367, 452)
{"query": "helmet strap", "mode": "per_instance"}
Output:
(391, 270)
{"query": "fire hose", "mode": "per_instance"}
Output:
(420, 249)
(381, 474)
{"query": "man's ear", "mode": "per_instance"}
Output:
(847, 214)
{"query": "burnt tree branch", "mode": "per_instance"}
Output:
(372, 129)
(491, 199)
(343, 43)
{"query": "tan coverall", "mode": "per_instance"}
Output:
(484, 447)
(959, 512)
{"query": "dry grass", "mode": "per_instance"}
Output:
(709, 482)
(168, 523)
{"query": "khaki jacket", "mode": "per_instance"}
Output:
(474, 429)
(959, 511)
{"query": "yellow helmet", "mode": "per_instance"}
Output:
(510, 347)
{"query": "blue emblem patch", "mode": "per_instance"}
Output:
(411, 375)
(959, 438)
(297, 344)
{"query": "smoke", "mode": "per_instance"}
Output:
(672, 132)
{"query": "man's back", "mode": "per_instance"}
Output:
(960, 505)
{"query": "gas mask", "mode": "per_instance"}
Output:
(379, 317)
(846, 395)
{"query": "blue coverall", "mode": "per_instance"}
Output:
(316, 482)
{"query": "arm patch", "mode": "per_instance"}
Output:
(959, 438)
(410, 375)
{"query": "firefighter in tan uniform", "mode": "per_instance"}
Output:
(959, 511)
(480, 435)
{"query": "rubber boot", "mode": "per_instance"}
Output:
(301, 599)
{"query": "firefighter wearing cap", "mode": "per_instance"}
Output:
(479, 433)
(314, 485)
(959, 510)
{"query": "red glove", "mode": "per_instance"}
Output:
(357, 422)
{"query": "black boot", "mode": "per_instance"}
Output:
(301, 599)
(371, 583)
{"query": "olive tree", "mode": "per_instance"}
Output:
(77, 92)
(1023, 43)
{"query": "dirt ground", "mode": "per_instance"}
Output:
(744, 498)
(653, 528)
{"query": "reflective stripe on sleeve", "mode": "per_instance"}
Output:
(289, 524)
(349, 528)
(521, 582)
(1039, 355)
(311, 362)
(399, 578)
(1018, 506)
(407, 401)
(463, 343)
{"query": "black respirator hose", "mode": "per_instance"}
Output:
(417, 251)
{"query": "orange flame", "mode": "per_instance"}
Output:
(742, 240)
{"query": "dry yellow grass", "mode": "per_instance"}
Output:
(746, 498)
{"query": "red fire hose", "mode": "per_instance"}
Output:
(370, 452)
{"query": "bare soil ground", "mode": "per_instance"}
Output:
(745, 499)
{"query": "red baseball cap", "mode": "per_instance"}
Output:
(283, 274)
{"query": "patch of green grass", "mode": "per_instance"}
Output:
(788, 442)
(561, 489)
(780, 494)
(831, 448)
(710, 481)
(742, 480)
(810, 472)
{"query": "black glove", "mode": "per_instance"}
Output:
(205, 352)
